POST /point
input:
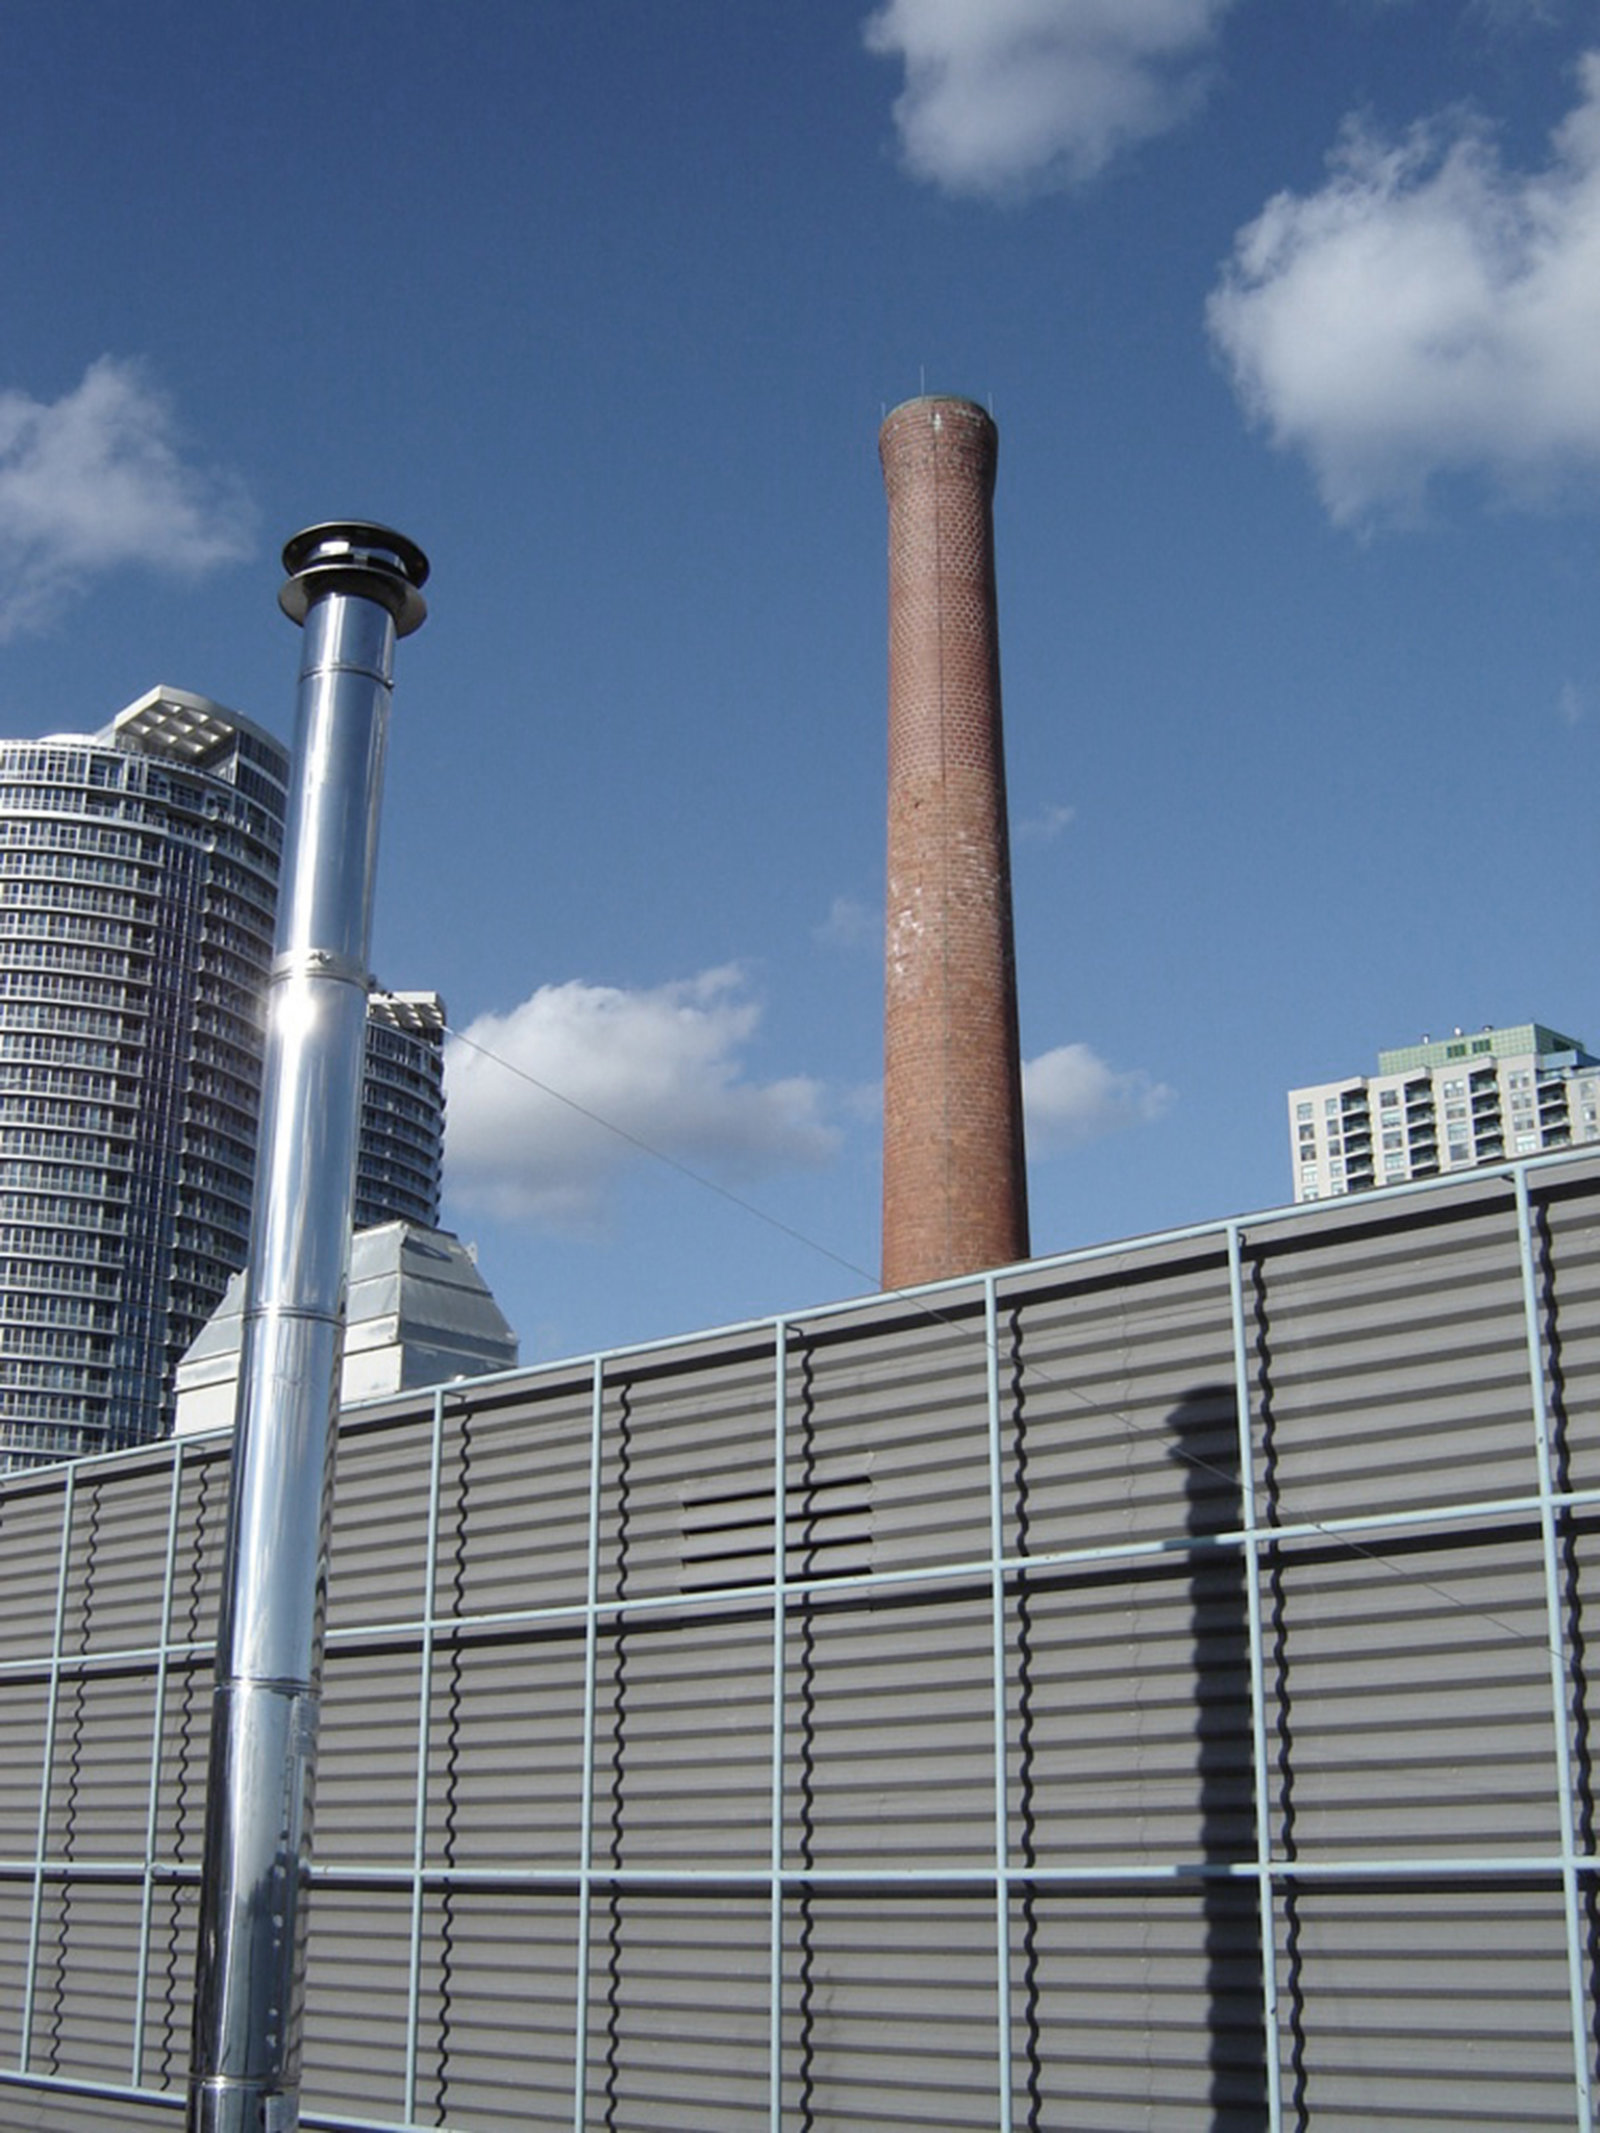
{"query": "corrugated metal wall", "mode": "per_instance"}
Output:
(1174, 1712)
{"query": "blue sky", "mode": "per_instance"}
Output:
(1289, 316)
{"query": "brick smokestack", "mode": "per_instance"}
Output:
(955, 1196)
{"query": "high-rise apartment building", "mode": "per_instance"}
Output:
(1434, 1107)
(138, 877)
(400, 1167)
(138, 889)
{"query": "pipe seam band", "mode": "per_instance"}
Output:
(320, 963)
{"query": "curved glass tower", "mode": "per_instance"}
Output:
(401, 1161)
(138, 876)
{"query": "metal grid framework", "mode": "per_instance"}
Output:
(1143, 1687)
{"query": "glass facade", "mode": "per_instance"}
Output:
(401, 1162)
(138, 878)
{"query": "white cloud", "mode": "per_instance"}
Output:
(1002, 95)
(663, 1065)
(96, 480)
(1428, 312)
(1070, 1095)
(1571, 704)
(1046, 825)
(850, 923)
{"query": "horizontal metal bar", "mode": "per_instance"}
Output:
(758, 1880)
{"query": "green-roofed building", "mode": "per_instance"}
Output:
(1443, 1105)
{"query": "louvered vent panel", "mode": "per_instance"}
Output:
(1410, 1700)
(1567, 1234)
(1118, 1411)
(185, 1743)
(676, 1435)
(897, 1409)
(1388, 1361)
(83, 2009)
(357, 1981)
(1130, 1699)
(16, 1911)
(1406, 1690)
(378, 1548)
(889, 2014)
(889, 1734)
(678, 2015)
(99, 1780)
(498, 2014)
(514, 1500)
(683, 1748)
(505, 1769)
(169, 1988)
(201, 1536)
(1138, 2009)
(30, 1548)
(119, 1542)
(1426, 2009)
(367, 1758)
(24, 1707)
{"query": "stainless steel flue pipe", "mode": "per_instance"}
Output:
(354, 588)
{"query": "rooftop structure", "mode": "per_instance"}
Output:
(1145, 1687)
(419, 1313)
(1444, 1105)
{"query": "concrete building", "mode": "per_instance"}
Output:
(1441, 1106)
(1145, 1688)
(138, 889)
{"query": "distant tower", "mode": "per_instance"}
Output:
(954, 1180)
(401, 1160)
(138, 874)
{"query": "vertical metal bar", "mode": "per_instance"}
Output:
(354, 588)
(591, 1649)
(1258, 1683)
(157, 1728)
(42, 1834)
(419, 1819)
(780, 1632)
(1556, 1641)
(997, 1624)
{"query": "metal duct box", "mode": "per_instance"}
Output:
(419, 1314)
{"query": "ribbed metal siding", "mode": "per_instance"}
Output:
(1093, 1892)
